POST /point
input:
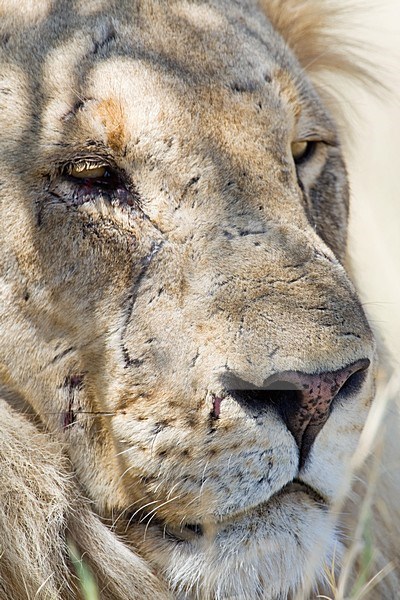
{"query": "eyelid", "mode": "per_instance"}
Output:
(318, 141)
(327, 138)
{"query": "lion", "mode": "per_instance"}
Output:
(185, 364)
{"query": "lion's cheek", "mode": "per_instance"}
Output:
(198, 476)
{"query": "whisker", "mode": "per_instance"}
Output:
(125, 510)
(154, 511)
(138, 511)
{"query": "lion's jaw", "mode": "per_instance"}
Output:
(235, 526)
(156, 307)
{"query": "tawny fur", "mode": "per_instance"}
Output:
(40, 510)
(123, 316)
(312, 30)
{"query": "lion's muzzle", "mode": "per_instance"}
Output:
(304, 401)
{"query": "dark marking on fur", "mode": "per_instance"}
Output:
(351, 334)
(146, 261)
(246, 232)
(73, 383)
(194, 359)
(192, 181)
(243, 87)
(128, 360)
(299, 278)
(191, 420)
(103, 38)
(69, 416)
(159, 426)
(238, 87)
(187, 187)
(79, 104)
(4, 41)
(62, 355)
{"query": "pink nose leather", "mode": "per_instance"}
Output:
(306, 411)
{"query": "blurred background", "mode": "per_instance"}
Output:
(374, 166)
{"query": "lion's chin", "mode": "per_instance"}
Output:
(192, 531)
(267, 552)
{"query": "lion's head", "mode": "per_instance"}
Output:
(174, 304)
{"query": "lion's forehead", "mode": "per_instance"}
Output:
(189, 38)
(161, 60)
(154, 82)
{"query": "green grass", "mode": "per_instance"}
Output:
(87, 581)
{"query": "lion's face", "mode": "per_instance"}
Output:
(172, 220)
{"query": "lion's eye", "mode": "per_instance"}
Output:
(91, 174)
(87, 171)
(93, 179)
(302, 150)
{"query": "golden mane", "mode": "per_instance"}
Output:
(314, 30)
(323, 36)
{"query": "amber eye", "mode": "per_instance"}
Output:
(86, 170)
(93, 174)
(302, 150)
(90, 179)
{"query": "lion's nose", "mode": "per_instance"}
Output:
(303, 400)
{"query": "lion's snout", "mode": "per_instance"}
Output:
(304, 401)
